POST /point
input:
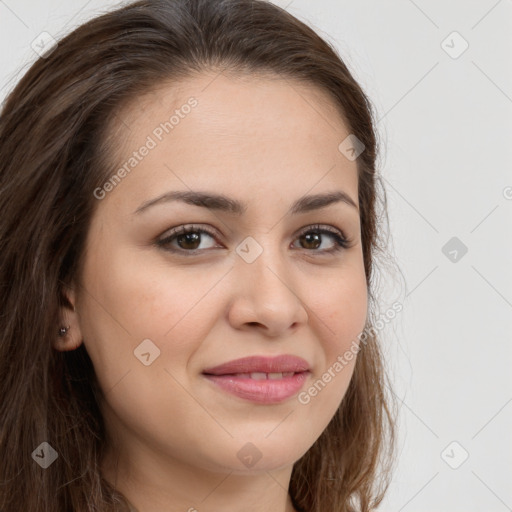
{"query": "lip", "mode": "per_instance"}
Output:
(234, 377)
(279, 364)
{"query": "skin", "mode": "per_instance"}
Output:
(175, 436)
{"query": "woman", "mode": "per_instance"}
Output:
(189, 226)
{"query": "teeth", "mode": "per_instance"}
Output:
(258, 376)
(264, 376)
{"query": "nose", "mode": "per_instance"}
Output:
(266, 296)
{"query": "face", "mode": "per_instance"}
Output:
(166, 316)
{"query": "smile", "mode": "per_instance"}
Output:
(261, 388)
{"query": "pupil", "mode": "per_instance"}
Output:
(313, 237)
(192, 238)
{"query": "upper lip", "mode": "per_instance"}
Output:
(260, 364)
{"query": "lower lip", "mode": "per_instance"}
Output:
(265, 391)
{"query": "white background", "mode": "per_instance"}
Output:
(446, 127)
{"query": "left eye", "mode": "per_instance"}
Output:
(314, 237)
(189, 238)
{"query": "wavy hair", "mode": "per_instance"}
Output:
(56, 148)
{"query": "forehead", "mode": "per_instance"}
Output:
(220, 131)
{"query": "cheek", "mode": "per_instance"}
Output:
(129, 301)
(345, 307)
(138, 296)
(342, 312)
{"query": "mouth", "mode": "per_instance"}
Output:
(259, 375)
(263, 380)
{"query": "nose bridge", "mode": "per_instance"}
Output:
(264, 267)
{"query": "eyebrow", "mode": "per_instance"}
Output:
(226, 204)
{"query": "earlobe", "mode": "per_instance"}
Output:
(67, 339)
(67, 334)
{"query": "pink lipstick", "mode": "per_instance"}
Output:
(260, 379)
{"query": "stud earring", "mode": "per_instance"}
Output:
(63, 331)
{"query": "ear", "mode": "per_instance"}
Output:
(72, 337)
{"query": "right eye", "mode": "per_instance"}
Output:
(188, 239)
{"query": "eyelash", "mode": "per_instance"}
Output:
(342, 242)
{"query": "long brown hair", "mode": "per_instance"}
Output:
(55, 149)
